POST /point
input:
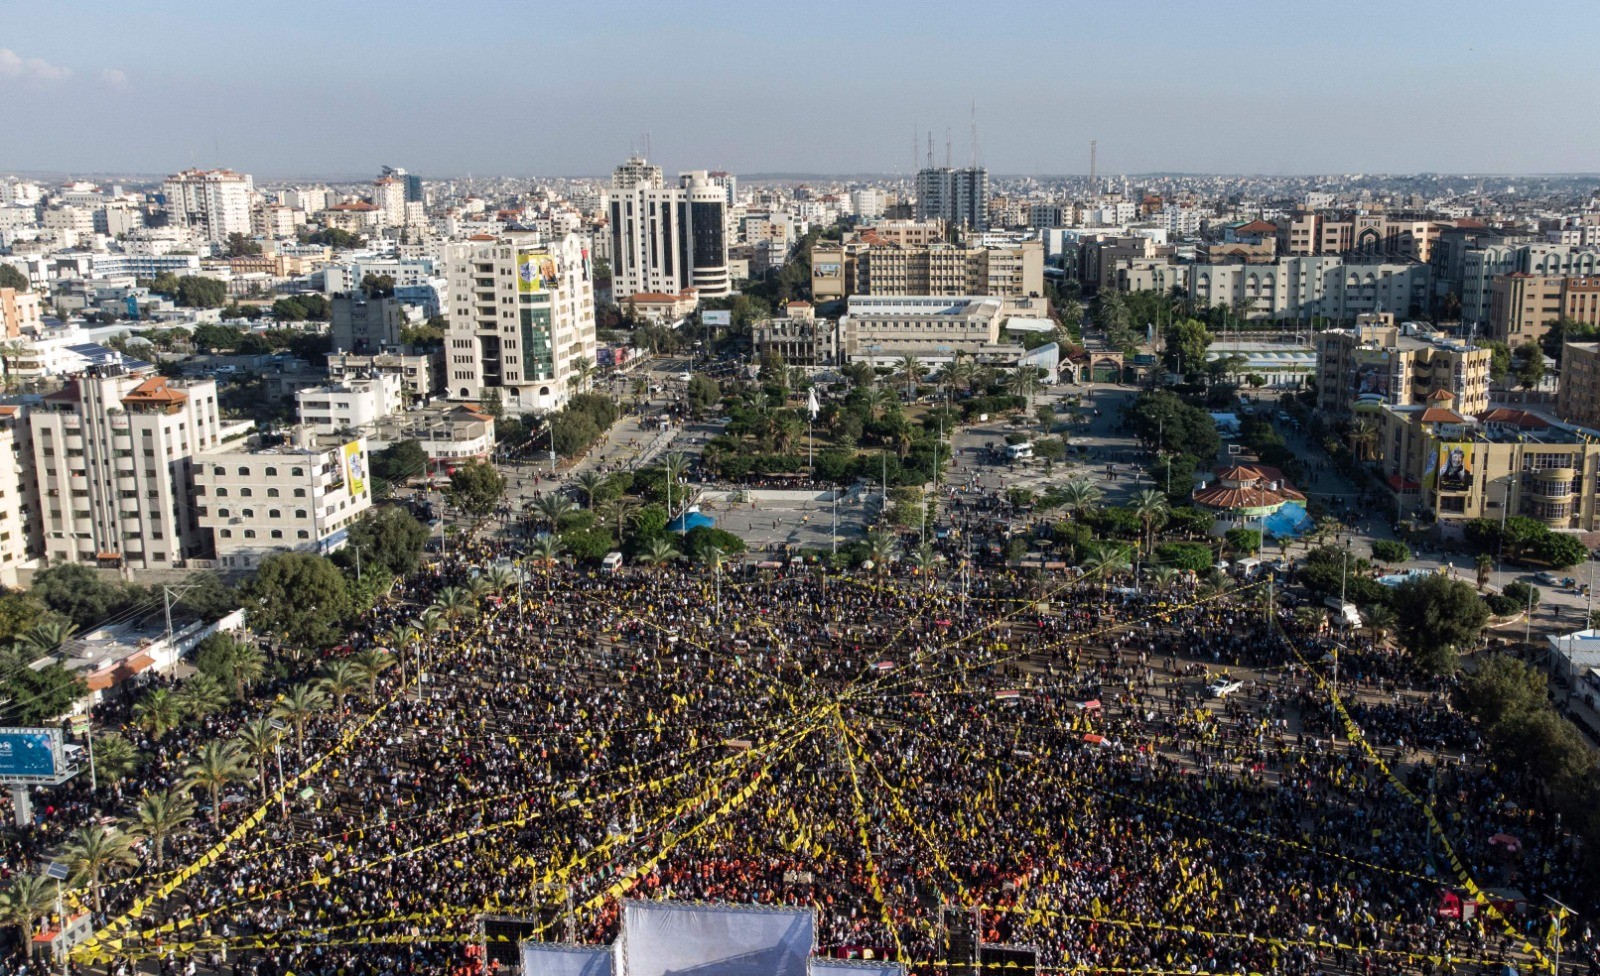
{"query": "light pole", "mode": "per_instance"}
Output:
(278, 726)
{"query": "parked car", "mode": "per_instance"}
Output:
(1223, 687)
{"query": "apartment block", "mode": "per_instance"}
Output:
(213, 203)
(19, 312)
(19, 503)
(364, 325)
(1378, 363)
(302, 496)
(1578, 395)
(666, 239)
(865, 267)
(1522, 305)
(521, 321)
(113, 453)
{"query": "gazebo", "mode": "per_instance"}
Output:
(1246, 492)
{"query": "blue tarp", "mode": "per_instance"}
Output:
(690, 520)
(1288, 522)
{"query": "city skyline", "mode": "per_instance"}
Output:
(1204, 89)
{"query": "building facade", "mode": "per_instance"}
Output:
(1377, 364)
(521, 322)
(1578, 395)
(213, 203)
(959, 197)
(364, 326)
(1522, 306)
(863, 268)
(883, 330)
(113, 452)
(665, 239)
(300, 497)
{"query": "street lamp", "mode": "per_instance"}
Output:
(278, 726)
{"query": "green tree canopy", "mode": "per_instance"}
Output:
(1499, 688)
(389, 538)
(1186, 343)
(399, 463)
(298, 597)
(196, 292)
(476, 488)
(1162, 418)
(10, 277)
(1438, 617)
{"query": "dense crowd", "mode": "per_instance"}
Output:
(874, 746)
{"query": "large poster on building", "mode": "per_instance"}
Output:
(355, 468)
(1370, 380)
(536, 272)
(1454, 463)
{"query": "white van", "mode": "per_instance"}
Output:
(1019, 452)
(612, 562)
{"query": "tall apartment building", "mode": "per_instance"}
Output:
(667, 239)
(1289, 288)
(364, 325)
(860, 268)
(389, 196)
(1578, 395)
(521, 319)
(1310, 232)
(1374, 364)
(412, 182)
(1522, 306)
(19, 312)
(213, 202)
(303, 496)
(19, 503)
(113, 452)
(959, 197)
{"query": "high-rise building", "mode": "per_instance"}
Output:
(1522, 306)
(389, 195)
(521, 321)
(865, 266)
(364, 325)
(213, 202)
(114, 452)
(412, 182)
(1374, 364)
(668, 239)
(959, 197)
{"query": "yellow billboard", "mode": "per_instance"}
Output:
(536, 272)
(355, 468)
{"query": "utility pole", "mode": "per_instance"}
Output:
(166, 603)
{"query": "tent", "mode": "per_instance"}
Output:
(690, 520)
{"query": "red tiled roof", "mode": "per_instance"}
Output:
(156, 389)
(1442, 415)
(1513, 418)
(1256, 227)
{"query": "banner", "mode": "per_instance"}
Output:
(661, 939)
(355, 468)
(552, 959)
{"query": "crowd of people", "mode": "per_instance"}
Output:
(875, 746)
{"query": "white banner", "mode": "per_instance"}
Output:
(855, 967)
(679, 939)
(551, 959)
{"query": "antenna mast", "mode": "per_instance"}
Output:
(947, 147)
(1093, 148)
(974, 133)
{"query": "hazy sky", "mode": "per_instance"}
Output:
(336, 87)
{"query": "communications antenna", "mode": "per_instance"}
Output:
(930, 149)
(974, 133)
(1093, 148)
(947, 147)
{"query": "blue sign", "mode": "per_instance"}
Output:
(29, 753)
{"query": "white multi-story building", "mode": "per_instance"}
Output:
(214, 203)
(352, 404)
(667, 239)
(18, 493)
(277, 221)
(867, 203)
(521, 321)
(389, 195)
(299, 497)
(113, 453)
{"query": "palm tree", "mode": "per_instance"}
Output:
(114, 758)
(590, 483)
(215, 766)
(545, 550)
(1022, 382)
(303, 703)
(676, 465)
(45, 636)
(873, 399)
(340, 678)
(1080, 495)
(1380, 618)
(913, 370)
(257, 740)
(248, 664)
(1485, 566)
(617, 512)
(499, 579)
(1326, 528)
(880, 549)
(1162, 576)
(454, 603)
(1309, 617)
(926, 560)
(1105, 560)
(95, 852)
(201, 695)
(159, 815)
(658, 552)
(158, 713)
(553, 508)
(860, 374)
(29, 898)
(1363, 438)
(1151, 507)
(371, 663)
(479, 588)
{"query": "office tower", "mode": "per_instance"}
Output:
(521, 321)
(213, 202)
(959, 197)
(667, 239)
(114, 452)
(411, 181)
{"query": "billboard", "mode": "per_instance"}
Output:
(668, 938)
(30, 755)
(1451, 467)
(723, 318)
(554, 959)
(355, 468)
(1370, 378)
(536, 272)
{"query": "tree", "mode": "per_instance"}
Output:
(398, 463)
(157, 713)
(616, 513)
(96, 852)
(1438, 617)
(78, 593)
(390, 538)
(1079, 495)
(239, 245)
(10, 277)
(215, 766)
(553, 509)
(476, 488)
(1484, 565)
(201, 695)
(257, 741)
(590, 483)
(1185, 343)
(234, 664)
(1529, 365)
(1151, 507)
(378, 285)
(704, 393)
(1559, 550)
(339, 679)
(1163, 419)
(38, 695)
(1243, 540)
(114, 758)
(658, 552)
(371, 663)
(1390, 551)
(298, 707)
(29, 896)
(159, 815)
(1501, 687)
(1193, 556)
(197, 292)
(19, 611)
(1499, 359)
(299, 597)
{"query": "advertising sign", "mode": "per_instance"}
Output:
(355, 468)
(29, 755)
(536, 272)
(723, 318)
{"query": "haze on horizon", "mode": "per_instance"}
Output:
(503, 88)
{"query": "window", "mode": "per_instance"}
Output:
(249, 533)
(247, 513)
(272, 472)
(274, 513)
(272, 493)
(299, 493)
(222, 493)
(299, 513)
(244, 472)
(277, 533)
(303, 534)
(298, 472)
(245, 493)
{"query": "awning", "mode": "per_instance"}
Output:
(132, 666)
(1402, 484)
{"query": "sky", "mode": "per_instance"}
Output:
(337, 88)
